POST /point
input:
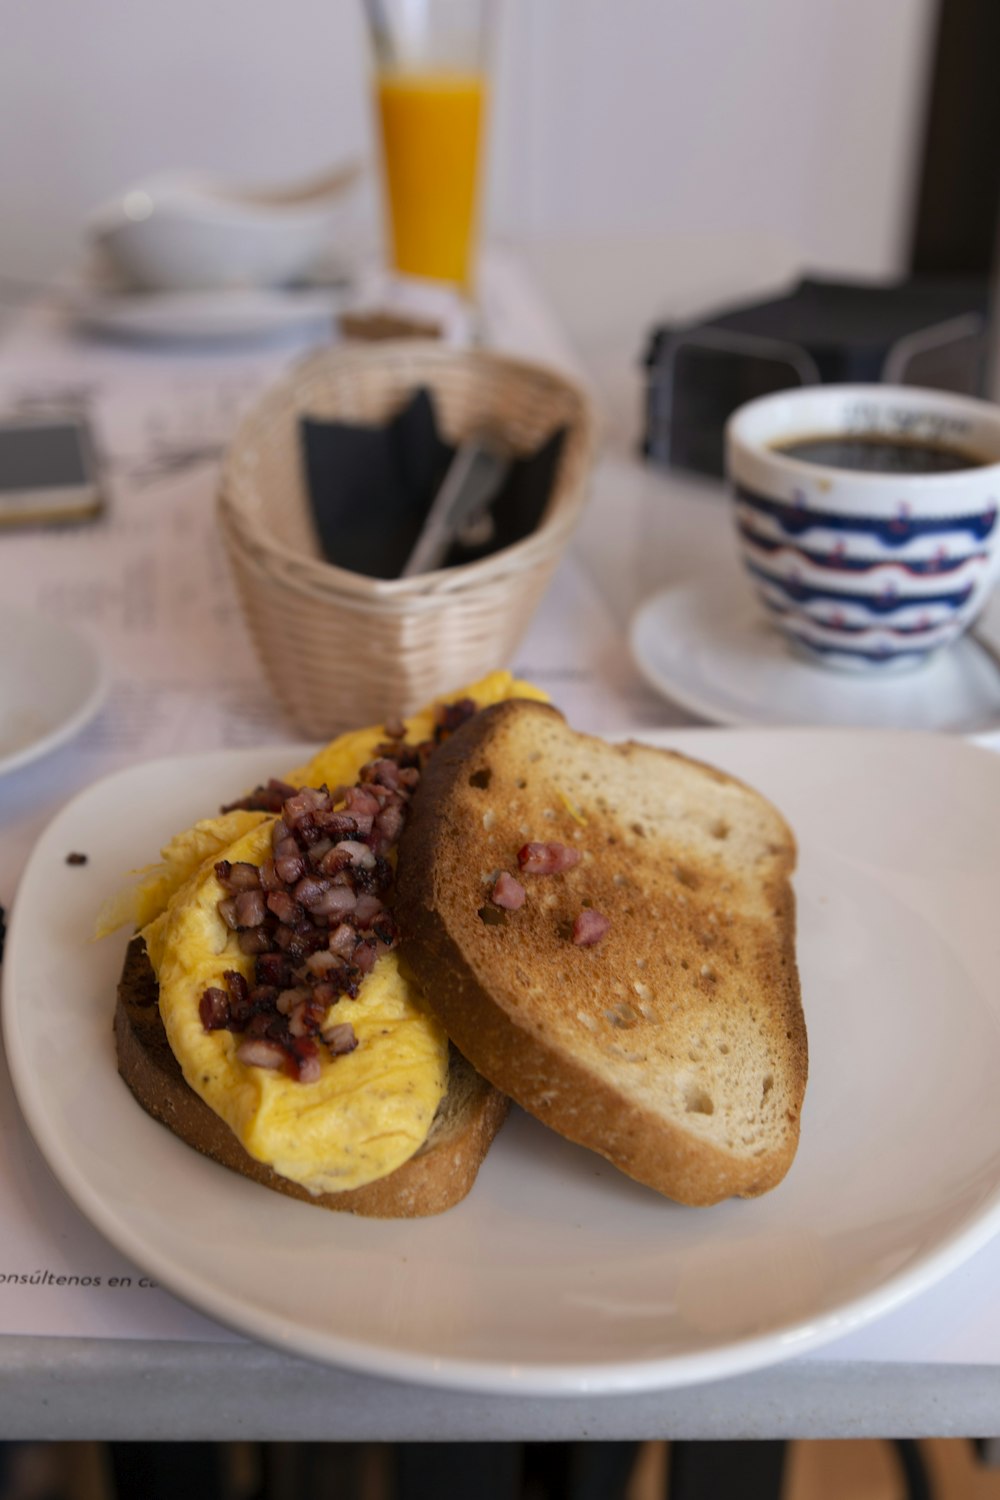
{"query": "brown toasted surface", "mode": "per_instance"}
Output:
(676, 1047)
(437, 1177)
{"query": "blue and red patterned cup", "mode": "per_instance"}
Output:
(867, 569)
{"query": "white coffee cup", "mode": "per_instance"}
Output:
(867, 570)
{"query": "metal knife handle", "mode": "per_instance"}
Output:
(474, 477)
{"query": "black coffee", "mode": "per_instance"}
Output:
(879, 454)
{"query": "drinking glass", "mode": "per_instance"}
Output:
(431, 94)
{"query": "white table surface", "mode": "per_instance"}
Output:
(932, 1367)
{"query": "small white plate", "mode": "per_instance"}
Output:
(52, 681)
(714, 652)
(210, 316)
(557, 1275)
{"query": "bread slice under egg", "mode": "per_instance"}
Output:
(438, 1176)
(676, 1045)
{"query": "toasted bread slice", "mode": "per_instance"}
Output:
(675, 1046)
(435, 1178)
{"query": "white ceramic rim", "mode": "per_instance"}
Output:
(753, 427)
(49, 636)
(199, 202)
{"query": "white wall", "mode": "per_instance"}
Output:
(793, 118)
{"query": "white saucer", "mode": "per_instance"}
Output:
(52, 681)
(210, 316)
(715, 653)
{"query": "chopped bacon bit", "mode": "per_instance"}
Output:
(507, 892)
(240, 1007)
(310, 890)
(267, 798)
(273, 968)
(323, 962)
(367, 910)
(590, 927)
(238, 987)
(340, 825)
(290, 868)
(261, 1053)
(365, 955)
(301, 1060)
(227, 911)
(353, 852)
(343, 940)
(337, 901)
(253, 940)
(260, 1024)
(214, 1009)
(298, 1024)
(385, 930)
(362, 804)
(308, 801)
(382, 772)
(340, 1038)
(547, 859)
(287, 1001)
(251, 908)
(310, 1069)
(285, 907)
(389, 825)
(241, 876)
(451, 716)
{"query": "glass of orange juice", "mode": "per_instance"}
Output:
(430, 93)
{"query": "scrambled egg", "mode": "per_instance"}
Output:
(372, 1108)
(367, 1113)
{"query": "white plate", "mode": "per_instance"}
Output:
(210, 316)
(52, 681)
(714, 652)
(557, 1274)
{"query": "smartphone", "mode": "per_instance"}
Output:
(48, 472)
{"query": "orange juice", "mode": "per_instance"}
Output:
(430, 139)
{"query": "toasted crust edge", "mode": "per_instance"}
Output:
(437, 1177)
(554, 1088)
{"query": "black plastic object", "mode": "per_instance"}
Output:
(923, 332)
(371, 488)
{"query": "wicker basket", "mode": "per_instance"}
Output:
(340, 649)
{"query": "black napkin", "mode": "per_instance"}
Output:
(371, 488)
